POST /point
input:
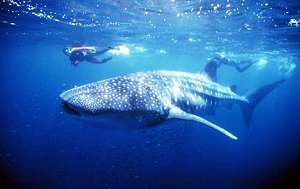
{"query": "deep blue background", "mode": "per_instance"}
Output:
(43, 147)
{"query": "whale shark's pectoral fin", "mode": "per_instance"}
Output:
(177, 113)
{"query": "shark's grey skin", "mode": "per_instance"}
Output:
(148, 98)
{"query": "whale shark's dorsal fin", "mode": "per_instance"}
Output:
(210, 70)
(177, 113)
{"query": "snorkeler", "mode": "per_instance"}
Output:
(212, 65)
(88, 53)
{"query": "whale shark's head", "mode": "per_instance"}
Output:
(96, 98)
(77, 101)
(121, 94)
(115, 98)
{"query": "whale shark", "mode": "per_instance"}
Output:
(146, 99)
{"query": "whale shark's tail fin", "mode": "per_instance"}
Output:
(254, 97)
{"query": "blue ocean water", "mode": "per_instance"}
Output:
(44, 147)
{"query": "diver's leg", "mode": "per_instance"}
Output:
(99, 61)
(102, 51)
(107, 59)
(94, 60)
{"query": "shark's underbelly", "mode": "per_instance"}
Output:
(125, 119)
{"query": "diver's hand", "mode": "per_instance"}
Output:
(75, 63)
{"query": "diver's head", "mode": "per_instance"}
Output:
(66, 51)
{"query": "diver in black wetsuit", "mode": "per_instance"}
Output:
(214, 63)
(87, 53)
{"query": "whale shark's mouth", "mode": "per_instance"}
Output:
(69, 109)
